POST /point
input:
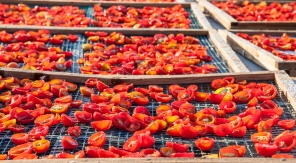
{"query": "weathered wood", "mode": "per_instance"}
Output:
(255, 53)
(202, 20)
(232, 60)
(266, 32)
(129, 31)
(159, 160)
(272, 25)
(222, 17)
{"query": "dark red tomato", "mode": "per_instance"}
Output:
(183, 155)
(141, 109)
(76, 104)
(17, 128)
(132, 144)
(91, 151)
(131, 125)
(97, 139)
(90, 107)
(178, 147)
(228, 152)
(188, 132)
(72, 38)
(38, 132)
(74, 131)
(205, 144)
(287, 124)
(218, 83)
(68, 121)
(24, 117)
(117, 121)
(150, 152)
(69, 143)
(266, 150)
(83, 116)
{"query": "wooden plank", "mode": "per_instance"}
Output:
(265, 25)
(223, 18)
(90, 3)
(202, 20)
(232, 60)
(267, 32)
(129, 31)
(136, 79)
(157, 160)
(260, 56)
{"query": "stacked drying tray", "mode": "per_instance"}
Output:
(161, 116)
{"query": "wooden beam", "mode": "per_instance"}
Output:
(202, 20)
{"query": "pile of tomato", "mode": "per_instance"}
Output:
(138, 55)
(147, 17)
(47, 104)
(283, 47)
(65, 16)
(30, 48)
(249, 11)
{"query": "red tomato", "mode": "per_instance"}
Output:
(242, 97)
(20, 138)
(26, 148)
(188, 132)
(83, 116)
(163, 98)
(155, 88)
(228, 152)
(74, 131)
(223, 129)
(239, 132)
(41, 146)
(132, 144)
(166, 151)
(286, 142)
(97, 139)
(229, 107)
(178, 147)
(205, 144)
(287, 124)
(46, 120)
(183, 155)
(72, 38)
(150, 152)
(266, 150)
(17, 128)
(185, 95)
(218, 83)
(38, 132)
(69, 143)
(118, 151)
(26, 156)
(102, 125)
(261, 137)
(68, 121)
(106, 154)
(282, 156)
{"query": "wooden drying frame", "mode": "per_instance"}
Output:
(258, 55)
(230, 23)
(194, 7)
(232, 60)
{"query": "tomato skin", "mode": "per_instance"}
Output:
(118, 151)
(106, 154)
(242, 97)
(229, 107)
(150, 152)
(67, 121)
(223, 129)
(74, 131)
(282, 156)
(26, 148)
(46, 120)
(41, 146)
(38, 132)
(165, 98)
(132, 144)
(20, 138)
(228, 152)
(205, 144)
(287, 124)
(26, 157)
(91, 151)
(17, 128)
(239, 132)
(240, 148)
(182, 155)
(83, 116)
(72, 38)
(285, 142)
(266, 150)
(69, 143)
(97, 139)
(178, 147)
(218, 83)
(185, 95)
(3, 156)
(131, 125)
(188, 132)
(261, 137)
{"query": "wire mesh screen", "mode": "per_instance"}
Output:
(78, 52)
(117, 137)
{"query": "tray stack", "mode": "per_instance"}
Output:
(220, 47)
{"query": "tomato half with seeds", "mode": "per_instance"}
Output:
(60, 108)
(228, 152)
(266, 150)
(85, 91)
(185, 95)
(76, 104)
(218, 83)
(239, 132)
(201, 96)
(286, 142)
(69, 143)
(19, 138)
(26, 157)
(26, 148)
(74, 131)
(17, 128)
(223, 129)
(132, 144)
(97, 139)
(117, 121)
(287, 124)
(150, 152)
(83, 116)
(166, 151)
(187, 109)
(163, 97)
(41, 146)
(178, 147)
(46, 120)
(131, 125)
(205, 144)
(68, 121)
(242, 97)
(264, 126)
(261, 137)
(102, 125)
(38, 132)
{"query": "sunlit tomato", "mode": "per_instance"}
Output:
(286, 143)
(178, 147)
(19, 138)
(38, 132)
(205, 119)
(223, 129)
(70, 86)
(150, 152)
(287, 124)
(163, 98)
(280, 155)
(3, 156)
(85, 91)
(17, 128)
(26, 156)
(91, 151)
(46, 120)
(144, 91)
(69, 143)
(187, 109)
(228, 152)
(76, 104)
(215, 98)
(102, 125)
(83, 116)
(264, 126)
(155, 88)
(118, 151)
(182, 155)
(229, 107)
(205, 144)
(239, 132)
(185, 95)
(26, 148)
(141, 109)
(253, 102)
(72, 38)
(15, 101)
(97, 139)
(64, 99)
(132, 144)
(101, 86)
(240, 148)
(60, 108)
(74, 131)
(201, 96)
(131, 124)
(188, 132)
(41, 146)
(166, 151)
(146, 140)
(242, 97)
(261, 137)
(68, 121)
(218, 83)
(266, 150)
(106, 154)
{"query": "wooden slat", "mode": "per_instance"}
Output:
(267, 32)
(158, 160)
(202, 20)
(265, 25)
(226, 20)
(234, 63)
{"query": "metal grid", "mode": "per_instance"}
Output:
(117, 138)
(76, 49)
